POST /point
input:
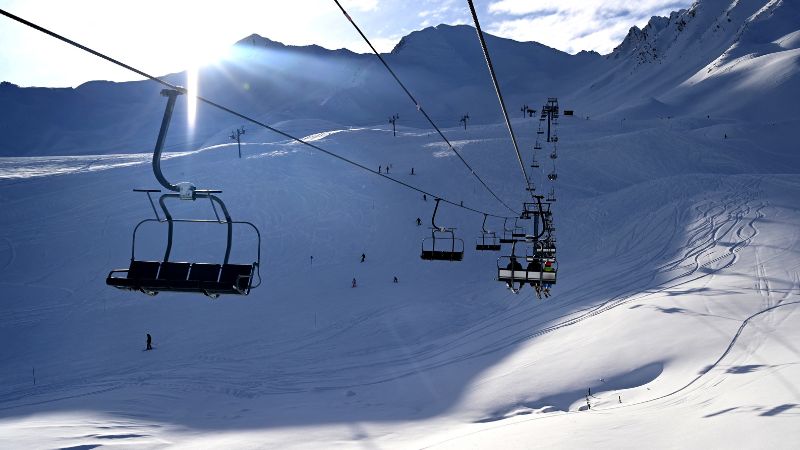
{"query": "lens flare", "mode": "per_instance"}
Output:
(192, 76)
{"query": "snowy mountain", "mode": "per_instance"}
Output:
(716, 58)
(673, 324)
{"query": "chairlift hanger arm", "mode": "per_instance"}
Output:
(171, 224)
(433, 218)
(172, 95)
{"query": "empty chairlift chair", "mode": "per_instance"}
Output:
(488, 240)
(208, 278)
(442, 245)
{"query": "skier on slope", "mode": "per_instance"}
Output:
(354, 282)
(363, 257)
(149, 342)
(419, 221)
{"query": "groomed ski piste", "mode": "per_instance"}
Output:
(677, 304)
(674, 323)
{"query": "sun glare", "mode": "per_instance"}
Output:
(192, 79)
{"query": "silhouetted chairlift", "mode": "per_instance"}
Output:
(488, 240)
(209, 278)
(551, 196)
(443, 244)
(545, 249)
(512, 235)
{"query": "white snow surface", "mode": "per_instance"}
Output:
(676, 314)
(678, 291)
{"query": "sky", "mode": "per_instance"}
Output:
(164, 36)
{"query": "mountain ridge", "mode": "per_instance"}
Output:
(684, 62)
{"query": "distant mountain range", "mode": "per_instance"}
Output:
(731, 58)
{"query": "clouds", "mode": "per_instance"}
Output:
(574, 25)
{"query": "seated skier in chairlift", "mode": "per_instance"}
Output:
(515, 266)
(535, 267)
(548, 267)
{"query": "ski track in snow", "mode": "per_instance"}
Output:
(503, 329)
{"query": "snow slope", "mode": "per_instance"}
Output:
(677, 302)
(683, 245)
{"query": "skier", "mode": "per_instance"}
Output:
(380, 168)
(149, 342)
(424, 198)
(354, 282)
(548, 267)
(514, 266)
(620, 398)
(536, 267)
(387, 168)
(395, 280)
(412, 171)
(419, 221)
(363, 257)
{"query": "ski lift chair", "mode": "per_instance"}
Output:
(512, 235)
(209, 278)
(546, 248)
(511, 272)
(541, 270)
(443, 244)
(488, 240)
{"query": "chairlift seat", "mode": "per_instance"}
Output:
(441, 255)
(204, 272)
(488, 247)
(143, 270)
(509, 275)
(135, 275)
(174, 271)
(235, 278)
(154, 276)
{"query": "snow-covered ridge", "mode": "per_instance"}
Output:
(444, 68)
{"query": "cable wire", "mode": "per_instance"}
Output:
(235, 113)
(420, 108)
(528, 185)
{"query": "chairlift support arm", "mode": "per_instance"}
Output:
(171, 95)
